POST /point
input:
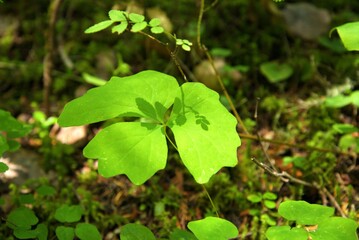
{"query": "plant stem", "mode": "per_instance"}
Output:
(210, 199)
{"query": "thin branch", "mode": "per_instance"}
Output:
(49, 49)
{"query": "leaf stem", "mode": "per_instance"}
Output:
(210, 199)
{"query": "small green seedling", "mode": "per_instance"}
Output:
(203, 129)
(313, 221)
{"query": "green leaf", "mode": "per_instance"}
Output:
(179, 234)
(269, 196)
(69, 214)
(39, 233)
(65, 233)
(154, 22)
(120, 28)
(157, 30)
(117, 15)
(267, 219)
(269, 204)
(138, 26)
(132, 148)
(3, 145)
(46, 190)
(86, 231)
(136, 18)
(186, 47)
(349, 34)
(99, 26)
(3, 167)
(303, 212)
(147, 94)
(21, 217)
(42, 232)
(213, 228)
(348, 141)
(286, 233)
(337, 101)
(26, 198)
(11, 126)
(298, 162)
(254, 198)
(133, 231)
(345, 128)
(276, 72)
(205, 132)
(355, 98)
(96, 81)
(335, 228)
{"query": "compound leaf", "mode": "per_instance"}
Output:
(147, 94)
(211, 228)
(205, 132)
(133, 231)
(132, 148)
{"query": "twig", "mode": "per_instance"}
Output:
(49, 49)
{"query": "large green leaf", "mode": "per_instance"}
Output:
(349, 34)
(286, 233)
(21, 218)
(132, 148)
(147, 94)
(304, 213)
(133, 231)
(336, 228)
(204, 131)
(213, 228)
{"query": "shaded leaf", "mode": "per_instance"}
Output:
(65, 233)
(69, 214)
(3, 167)
(99, 26)
(276, 72)
(46, 190)
(21, 217)
(87, 231)
(179, 234)
(211, 228)
(133, 231)
(132, 148)
(204, 130)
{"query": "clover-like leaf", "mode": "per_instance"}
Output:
(132, 148)
(69, 214)
(21, 218)
(133, 231)
(65, 233)
(147, 94)
(157, 30)
(213, 228)
(99, 26)
(276, 72)
(154, 22)
(204, 131)
(303, 212)
(87, 231)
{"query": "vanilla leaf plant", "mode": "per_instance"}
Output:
(203, 129)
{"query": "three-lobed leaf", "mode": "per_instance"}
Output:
(204, 131)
